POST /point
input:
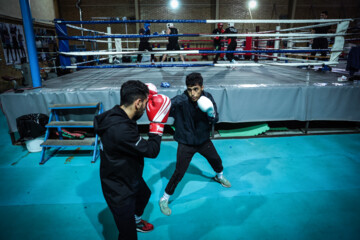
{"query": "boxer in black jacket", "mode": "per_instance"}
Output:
(193, 112)
(122, 154)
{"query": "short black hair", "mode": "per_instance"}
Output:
(131, 91)
(325, 12)
(194, 79)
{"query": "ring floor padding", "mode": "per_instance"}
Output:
(244, 94)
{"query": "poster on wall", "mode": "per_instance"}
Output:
(45, 43)
(13, 42)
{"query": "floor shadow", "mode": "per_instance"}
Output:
(230, 207)
(169, 170)
(109, 229)
(234, 173)
(95, 207)
(211, 215)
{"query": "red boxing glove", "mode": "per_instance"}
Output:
(222, 30)
(152, 89)
(157, 110)
(217, 38)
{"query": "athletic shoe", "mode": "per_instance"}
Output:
(144, 226)
(163, 203)
(223, 181)
(233, 61)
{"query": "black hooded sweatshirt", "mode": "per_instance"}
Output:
(122, 154)
(192, 126)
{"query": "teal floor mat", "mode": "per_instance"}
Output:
(304, 187)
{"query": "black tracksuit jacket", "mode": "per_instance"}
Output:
(122, 156)
(192, 126)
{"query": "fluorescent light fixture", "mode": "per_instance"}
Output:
(252, 4)
(174, 4)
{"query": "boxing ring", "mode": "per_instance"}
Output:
(256, 94)
(266, 90)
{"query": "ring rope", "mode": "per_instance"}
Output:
(274, 21)
(298, 59)
(144, 66)
(180, 41)
(92, 53)
(204, 35)
(273, 35)
(184, 65)
(95, 60)
(85, 29)
(306, 27)
(85, 40)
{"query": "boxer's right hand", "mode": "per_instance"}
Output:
(157, 110)
(152, 89)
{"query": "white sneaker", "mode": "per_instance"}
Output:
(223, 181)
(163, 203)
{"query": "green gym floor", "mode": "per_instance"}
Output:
(303, 187)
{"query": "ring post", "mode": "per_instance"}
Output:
(339, 41)
(61, 31)
(256, 57)
(118, 47)
(110, 44)
(30, 43)
(290, 43)
(277, 43)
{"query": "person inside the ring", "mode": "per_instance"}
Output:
(320, 42)
(231, 42)
(144, 43)
(173, 41)
(218, 44)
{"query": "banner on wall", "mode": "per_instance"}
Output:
(13, 42)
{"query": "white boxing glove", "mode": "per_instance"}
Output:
(207, 106)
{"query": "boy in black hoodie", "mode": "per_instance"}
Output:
(122, 154)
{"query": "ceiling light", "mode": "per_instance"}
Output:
(252, 4)
(174, 4)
